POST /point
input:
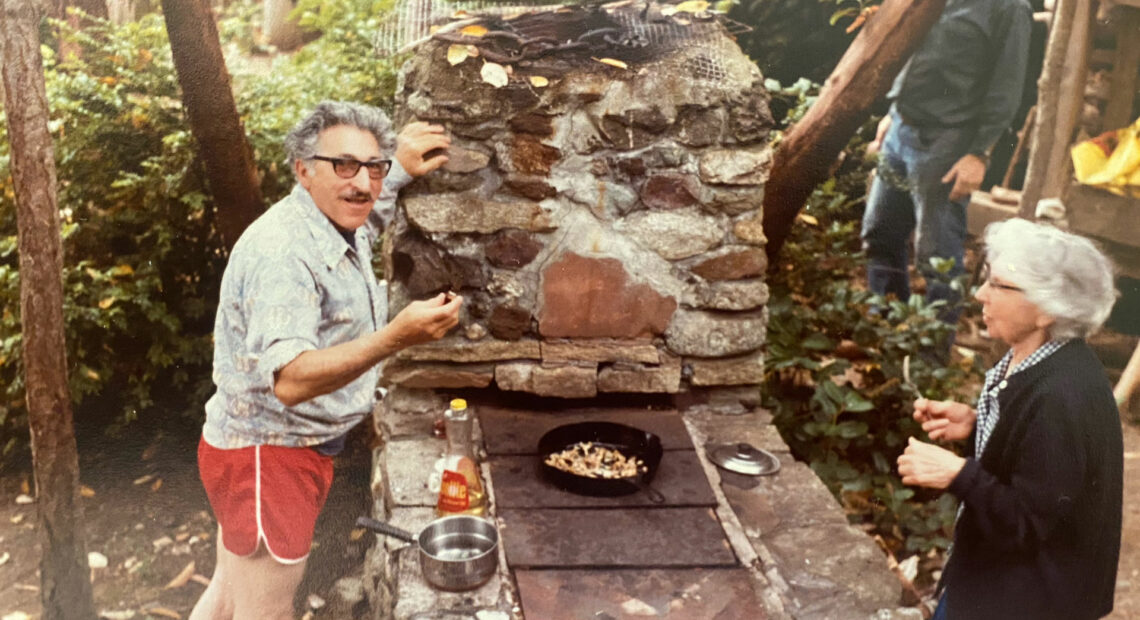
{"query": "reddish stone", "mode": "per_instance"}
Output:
(745, 263)
(511, 249)
(537, 124)
(534, 189)
(508, 322)
(531, 156)
(669, 191)
(594, 298)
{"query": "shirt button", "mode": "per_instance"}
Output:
(1002, 385)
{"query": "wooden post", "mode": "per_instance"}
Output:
(65, 586)
(864, 73)
(1126, 65)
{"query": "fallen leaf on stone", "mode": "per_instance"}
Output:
(612, 62)
(356, 534)
(143, 479)
(164, 612)
(157, 485)
(24, 499)
(17, 519)
(494, 74)
(86, 491)
(200, 579)
(182, 579)
(456, 54)
(96, 560)
(538, 81)
(638, 607)
(4, 557)
(474, 30)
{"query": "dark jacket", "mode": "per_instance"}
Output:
(1040, 534)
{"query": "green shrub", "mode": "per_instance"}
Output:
(834, 366)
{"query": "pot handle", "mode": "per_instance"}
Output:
(384, 528)
(654, 495)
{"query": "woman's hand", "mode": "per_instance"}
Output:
(927, 465)
(945, 420)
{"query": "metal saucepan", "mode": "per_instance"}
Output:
(630, 441)
(457, 553)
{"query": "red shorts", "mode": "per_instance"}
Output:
(266, 493)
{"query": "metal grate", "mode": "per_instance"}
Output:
(411, 22)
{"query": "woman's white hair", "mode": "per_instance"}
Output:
(1065, 275)
(301, 143)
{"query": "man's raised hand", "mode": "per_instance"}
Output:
(422, 147)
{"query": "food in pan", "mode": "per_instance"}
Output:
(590, 460)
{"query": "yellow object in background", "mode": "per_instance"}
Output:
(1110, 161)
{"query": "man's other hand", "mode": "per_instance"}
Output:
(426, 320)
(421, 148)
(876, 145)
(966, 175)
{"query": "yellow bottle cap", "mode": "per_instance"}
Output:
(458, 404)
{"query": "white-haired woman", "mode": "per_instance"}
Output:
(1038, 535)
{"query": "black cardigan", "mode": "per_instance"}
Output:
(1040, 534)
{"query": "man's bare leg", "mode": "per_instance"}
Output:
(255, 587)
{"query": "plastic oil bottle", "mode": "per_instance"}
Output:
(461, 489)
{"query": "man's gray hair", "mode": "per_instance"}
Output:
(1065, 275)
(301, 143)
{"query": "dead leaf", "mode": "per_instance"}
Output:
(96, 560)
(460, 14)
(143, 479)
(106, 303)
(494, 74)
(86, 491)
(123, 270)
(4, 557)
(91, 374)
(808, 219)
(157, 485)
(538, 81)
(182, 579)
(612, 62)
(474, 30)
(182, 537)
(356, 534)
(27, 587)
(689, 6)
(17, 519)
(164, 612)
(456, 54)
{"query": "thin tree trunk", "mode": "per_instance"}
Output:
(214, 119)
(864, 73)
(65, 587)
(94, 8)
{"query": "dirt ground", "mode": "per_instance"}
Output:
(146, 512)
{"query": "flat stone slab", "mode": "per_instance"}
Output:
(678, 594)
(511, 431)
(658, 537)
(680, 478)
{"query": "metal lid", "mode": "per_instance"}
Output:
(743, 458)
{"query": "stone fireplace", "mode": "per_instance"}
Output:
(602, 223)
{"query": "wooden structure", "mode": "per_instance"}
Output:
(1112, 220)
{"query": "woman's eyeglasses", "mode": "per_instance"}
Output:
(998, 285)
(347, 167)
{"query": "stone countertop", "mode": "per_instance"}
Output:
(797, 555)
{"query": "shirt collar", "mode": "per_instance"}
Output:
(330, 244)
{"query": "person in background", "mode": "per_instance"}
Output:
(950, 104)
(300, 329)
(1038, 533)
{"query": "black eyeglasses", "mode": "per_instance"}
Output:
(998, 285)
(347, 167)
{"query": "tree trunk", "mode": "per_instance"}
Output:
(864, 73)
(213, 114)
(94, 8)
(281, 32)
(65, 587)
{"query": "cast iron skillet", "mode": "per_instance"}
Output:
(630, 441)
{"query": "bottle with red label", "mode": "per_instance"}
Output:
(461, 488)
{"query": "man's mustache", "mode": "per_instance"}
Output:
(356, 195)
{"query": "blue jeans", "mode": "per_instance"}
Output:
(940, 611)
(908, 196)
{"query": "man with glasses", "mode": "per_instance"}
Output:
(301, 327)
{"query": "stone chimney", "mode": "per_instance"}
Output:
(603, 226)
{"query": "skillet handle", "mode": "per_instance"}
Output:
(384, 528)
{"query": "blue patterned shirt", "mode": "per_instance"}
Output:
(293, 284)
(988, 408)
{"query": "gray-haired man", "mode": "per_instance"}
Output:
(300, 329)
